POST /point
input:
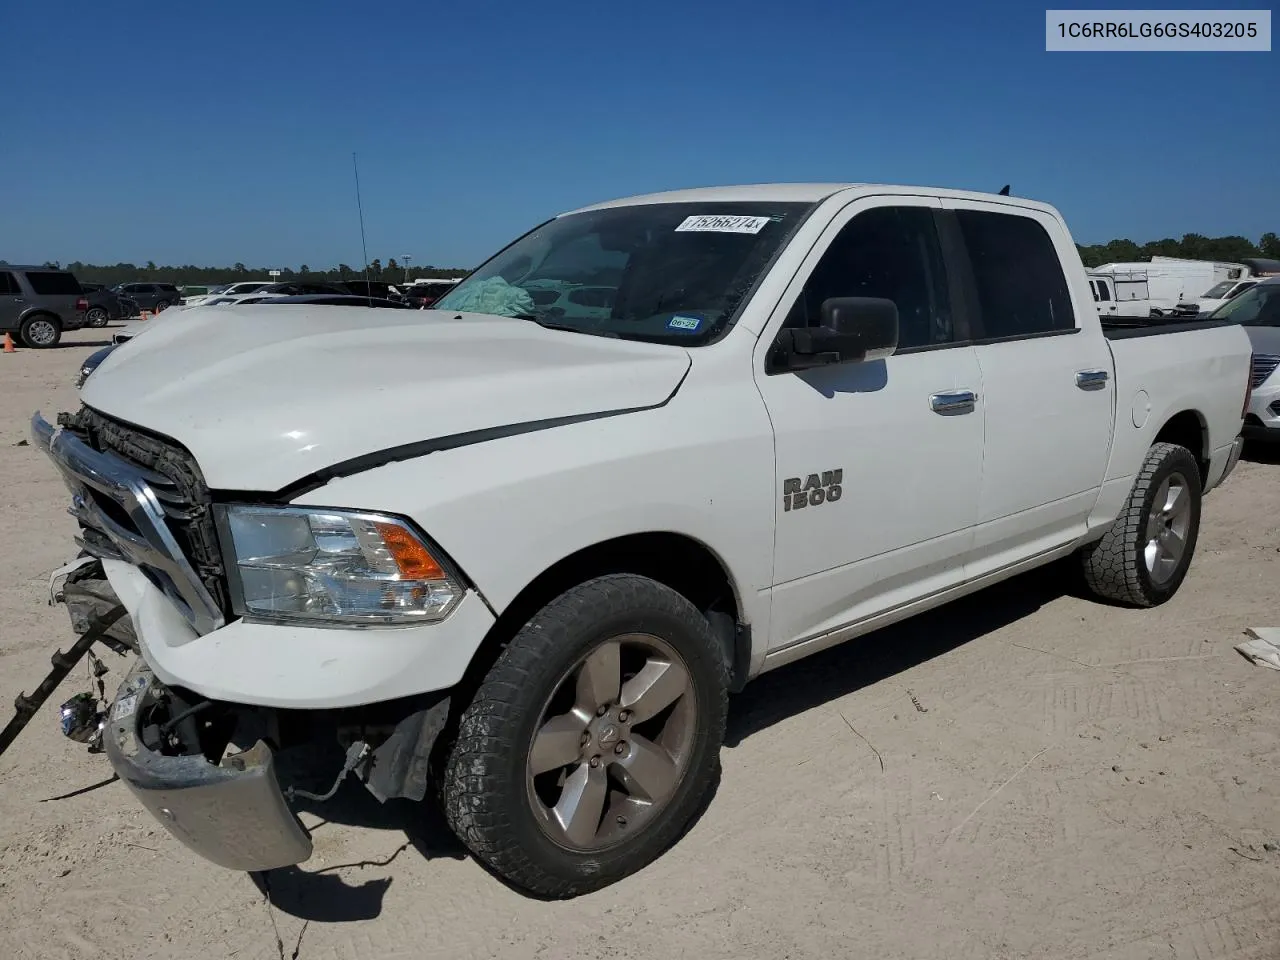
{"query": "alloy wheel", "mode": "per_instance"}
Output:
(612, 743)
(1167, 527)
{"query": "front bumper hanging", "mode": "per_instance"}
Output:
(232, 813)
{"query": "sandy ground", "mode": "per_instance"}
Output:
(1032, 775)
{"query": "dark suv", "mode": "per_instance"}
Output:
(39, 303)
(150, 296)
(105, 305)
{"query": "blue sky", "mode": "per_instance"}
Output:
(220, 133)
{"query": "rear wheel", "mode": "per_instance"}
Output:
(40, 331)
(96, 317)
(1143, 559)
(593, 741)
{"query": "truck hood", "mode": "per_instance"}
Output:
(263, 396)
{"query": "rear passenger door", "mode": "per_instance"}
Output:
(1047, 379)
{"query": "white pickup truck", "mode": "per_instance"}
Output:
(521, 548)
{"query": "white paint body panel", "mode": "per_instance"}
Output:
(294, 666)
(907, 509)
(265, 395)
(1035, 494)
(932, 507)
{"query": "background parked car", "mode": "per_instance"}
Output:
(150, 296)
(339, 300)
(104, 305)
(423, 293)
(91, 363)
(224, 289)
(370, 288)
(38, 303)
(1257, 310)
(272, 290)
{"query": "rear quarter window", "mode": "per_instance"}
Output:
(1021, 288)
(53, 282)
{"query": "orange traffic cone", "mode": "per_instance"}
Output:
(8, 344)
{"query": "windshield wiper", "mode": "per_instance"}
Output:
(548, 325)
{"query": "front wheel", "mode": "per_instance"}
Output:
(593, 741)
(162, 306)
(40, 331)
(1143, 559)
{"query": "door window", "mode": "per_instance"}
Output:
(888, 252)
(1021, 288)
(9, 285)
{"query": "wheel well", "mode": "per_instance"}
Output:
(1187, 429)
(685, 565)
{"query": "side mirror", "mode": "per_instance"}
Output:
(853, 330)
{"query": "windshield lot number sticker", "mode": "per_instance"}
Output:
(715, 223)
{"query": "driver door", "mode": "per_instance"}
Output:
(878, 464)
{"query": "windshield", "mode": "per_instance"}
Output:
(239, 288)
(662, 272)
(1256, 307)
(1218, 290)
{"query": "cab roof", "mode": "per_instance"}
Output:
(804, 193)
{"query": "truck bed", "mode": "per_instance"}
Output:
(1114, 330)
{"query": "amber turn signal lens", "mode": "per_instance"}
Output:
(411, 557)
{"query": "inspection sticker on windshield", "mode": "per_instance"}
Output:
(716, 223)
(684, 323)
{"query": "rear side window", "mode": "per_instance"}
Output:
(8, 284)
(53, 282)
(1021, 288)
(888, 252)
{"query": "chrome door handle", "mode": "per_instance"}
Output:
(958, 401)
(1091, 379)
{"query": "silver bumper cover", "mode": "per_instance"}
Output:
(231, 813)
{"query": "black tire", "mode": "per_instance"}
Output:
(484, 788)
(162, 305)
(40, 331)
(96, 317)
(1116, 567)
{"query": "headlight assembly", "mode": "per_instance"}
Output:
(333, 566)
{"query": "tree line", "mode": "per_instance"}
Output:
(1192, 246)
(190, 274)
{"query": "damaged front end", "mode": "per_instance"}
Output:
(222, 777)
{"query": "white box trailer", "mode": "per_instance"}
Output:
(1157, 287)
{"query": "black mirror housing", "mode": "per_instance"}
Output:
(853, 330)
(870, 321)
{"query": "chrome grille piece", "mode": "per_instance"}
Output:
(1264, 364)
(155, 515)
